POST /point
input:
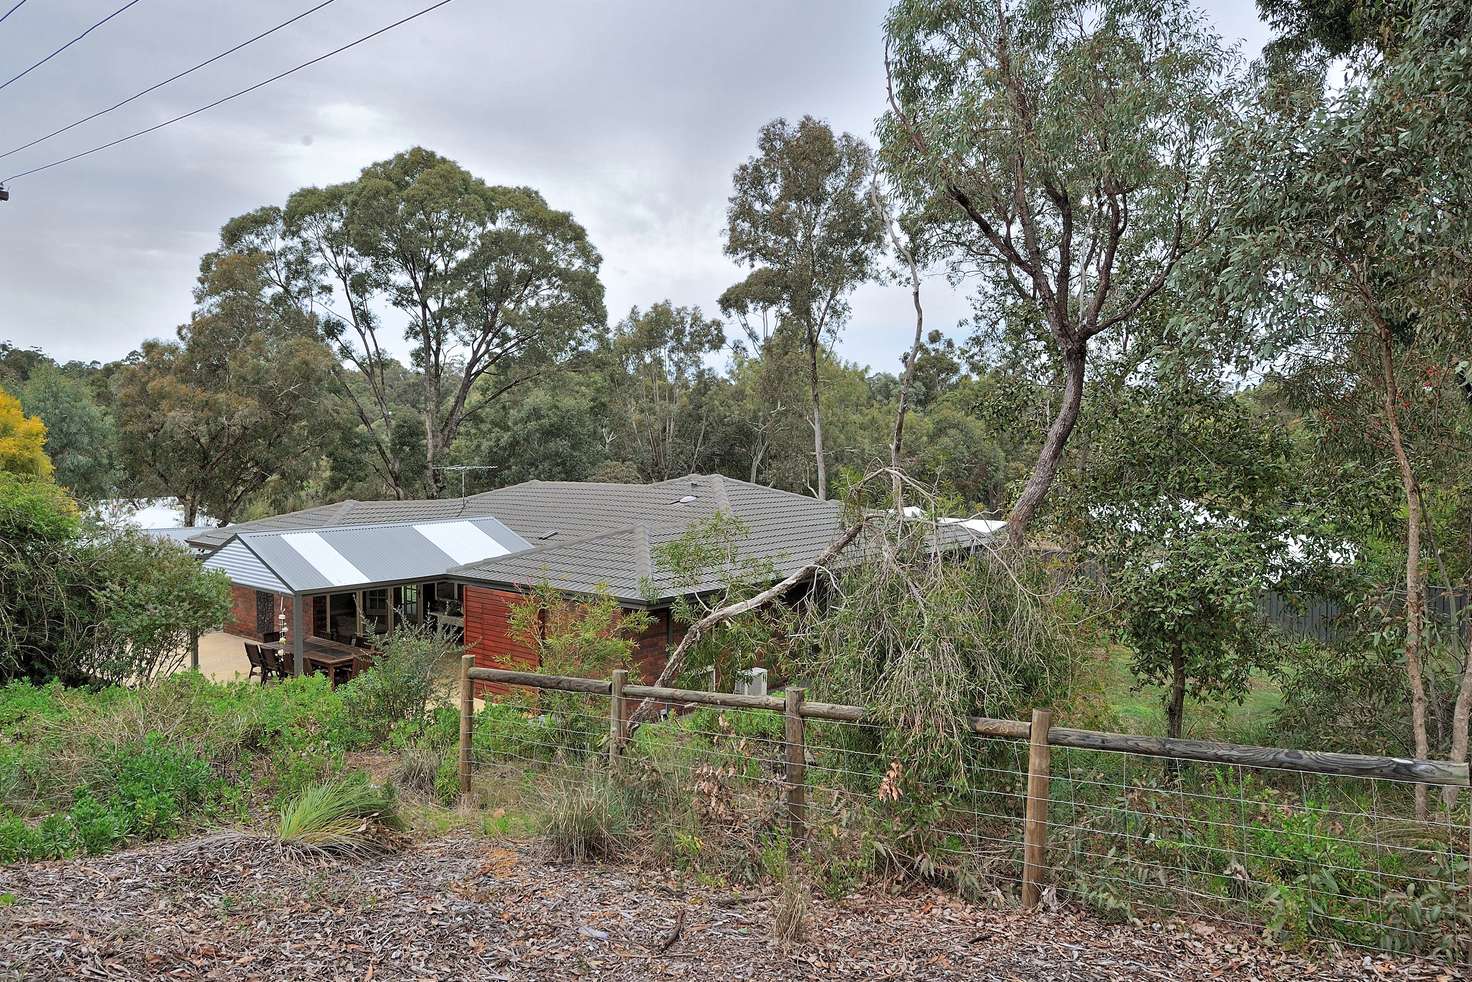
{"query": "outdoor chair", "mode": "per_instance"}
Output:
(257, 661)
(271, 637)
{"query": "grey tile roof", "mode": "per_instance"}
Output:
(587, 536)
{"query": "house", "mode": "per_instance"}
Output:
(357, 568)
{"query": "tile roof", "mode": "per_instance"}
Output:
(587, 535)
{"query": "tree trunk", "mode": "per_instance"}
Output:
(817, 416)
(1461, 714)
(1415, 585)
(1175, 704)
(1046, 468)
(897, 441)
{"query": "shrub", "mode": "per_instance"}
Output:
(417, 769)
(404, 681)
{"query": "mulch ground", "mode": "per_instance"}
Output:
(237, 908)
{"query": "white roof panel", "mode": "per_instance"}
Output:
(327, 561)
(463, 542)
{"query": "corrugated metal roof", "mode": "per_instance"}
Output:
(244, 567)
(309, 560)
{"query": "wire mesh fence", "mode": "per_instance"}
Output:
(1292, 852)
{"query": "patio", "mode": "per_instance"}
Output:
(222, 656)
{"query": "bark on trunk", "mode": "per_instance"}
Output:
(817, 417)
(1415, 585)
(896, 443)
(1046, 468)
(1175, 706)
(1461, 715)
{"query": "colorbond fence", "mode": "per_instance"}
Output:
(1304, 845)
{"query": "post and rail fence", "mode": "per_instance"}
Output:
(791, 755)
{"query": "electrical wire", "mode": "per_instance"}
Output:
(68, 44)
(234, 95)
(19, 4)
(171, 78)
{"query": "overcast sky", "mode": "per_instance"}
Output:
(631, 115)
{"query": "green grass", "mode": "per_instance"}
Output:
(1141, 709)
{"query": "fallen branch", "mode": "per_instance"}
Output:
(676, 662)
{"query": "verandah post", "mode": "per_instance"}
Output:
(1035, 825)
(467, 717)
(797, 767)
(617, 724)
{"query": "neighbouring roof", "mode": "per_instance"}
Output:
(301, 560)
(582, 537)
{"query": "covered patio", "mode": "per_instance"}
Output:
(320, 597)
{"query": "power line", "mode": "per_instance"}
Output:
(12, 10)
(159, 85)
(228, 98)
(68, 44)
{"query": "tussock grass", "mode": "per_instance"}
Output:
(417, 769)
(790, 911)
(588, 820)
(343, 817)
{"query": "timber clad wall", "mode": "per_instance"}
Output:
(488, 637)
(488, 634)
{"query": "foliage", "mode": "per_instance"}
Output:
(345, 817)
(81, 439)
(662, 388)
(800, 216)
(1065, 150)
(494, 288)
(588, 637)
(148, 597)
(22, 441)
(1184, 503)
(926, 644)
(234, 402)
(109, 605)
(410, 674)
(588, 820)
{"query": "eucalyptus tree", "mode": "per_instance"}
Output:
(1349, 241)
(1064, 151)
(801, 218)
(662, 387)
(236, 400)
(494, 287)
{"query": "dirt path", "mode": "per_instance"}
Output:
(234, 908)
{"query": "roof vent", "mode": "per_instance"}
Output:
(549, 533)
(686, 499)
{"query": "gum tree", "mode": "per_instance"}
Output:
(800, 216)
(1063, 150)
(1348, 245)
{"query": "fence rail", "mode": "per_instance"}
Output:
(1099, 815)
(1406, 769)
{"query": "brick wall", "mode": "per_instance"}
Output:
(242, 620)
(488, 635)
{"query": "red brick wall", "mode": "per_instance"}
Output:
(655, 645)
(242, 620)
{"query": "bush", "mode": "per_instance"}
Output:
(396, 693)
(417, 769)
(352, 817)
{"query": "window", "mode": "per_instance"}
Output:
(375, 611)
(408, 602)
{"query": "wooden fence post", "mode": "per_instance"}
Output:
(467, 717)
(617, 726)
(797, 766)
(1035, 826)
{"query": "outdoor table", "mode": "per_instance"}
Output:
(319, 653)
